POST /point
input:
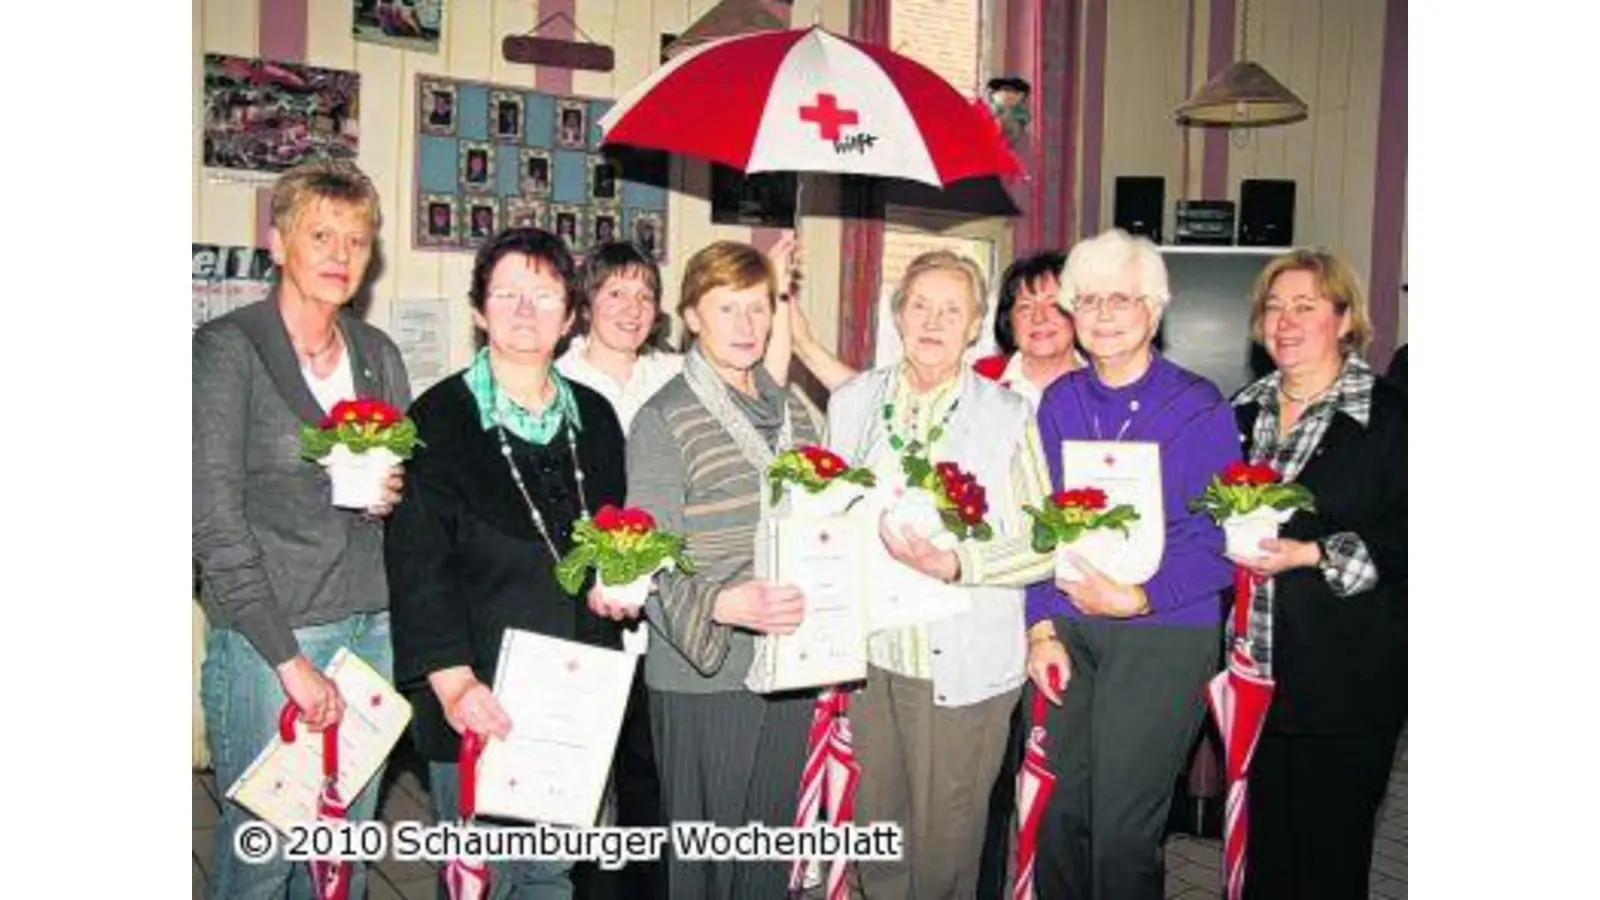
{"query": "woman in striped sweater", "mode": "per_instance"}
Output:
(696, 458)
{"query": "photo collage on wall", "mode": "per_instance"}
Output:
(491, 157)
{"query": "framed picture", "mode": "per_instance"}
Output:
(566, 220)
(482, 217)
(477, 165)
(572, 124)
(763, 200)
(505, 108)
(410, 25)
(526, 212)
(436, 107)
(603, 177)
(535, 175)
(437, 218)
(605, 225)
(645, 232)
(263, 118)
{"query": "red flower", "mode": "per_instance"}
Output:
(1237, 473)
(361, 411)
(947, 471)
(1263, 474)
(1086, 498)
(637, 520)
(609, 518)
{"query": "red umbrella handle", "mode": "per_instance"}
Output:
(471, 749)
(1053, 674)
(330, 739)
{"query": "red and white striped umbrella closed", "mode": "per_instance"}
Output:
(1239, 697)
(808, 100)
(329, 878)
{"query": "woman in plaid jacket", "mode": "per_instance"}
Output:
(1329, 622)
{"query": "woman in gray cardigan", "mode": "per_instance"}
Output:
(696, 459)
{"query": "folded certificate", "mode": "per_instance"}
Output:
(898, 595)
(282, 785)
(1129, 472)
(565, 701)
(824, 557)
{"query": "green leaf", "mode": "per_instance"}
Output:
(982, 531)
(1044, 538)
(572, 570)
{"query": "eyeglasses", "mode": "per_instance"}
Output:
(1089, 304)
(544, 301)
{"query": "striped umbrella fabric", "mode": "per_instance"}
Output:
(1239, 698)
(1035, 781)
(827, 784)
(808, 100)
(330, 879)
(467, 878)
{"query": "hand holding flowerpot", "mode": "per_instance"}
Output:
(359, 443)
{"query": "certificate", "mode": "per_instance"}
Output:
(282, 785)
(900, 596)
(1129, 472)
(823, 556)
(565, 701)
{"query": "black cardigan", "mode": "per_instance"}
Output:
(464, 559)
(1340, 662)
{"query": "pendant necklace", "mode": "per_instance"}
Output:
(522, 488)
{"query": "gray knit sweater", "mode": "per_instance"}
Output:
(686, 470)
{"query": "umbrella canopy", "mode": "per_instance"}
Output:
(1035, 781)
(329, 878)
(808, 100)
(827, 784)
(1239, 699)
(467, 879)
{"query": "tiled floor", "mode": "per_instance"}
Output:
(1193, 866)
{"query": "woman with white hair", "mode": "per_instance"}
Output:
(1136, 656)
(930, 725)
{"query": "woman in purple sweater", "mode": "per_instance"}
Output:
(1136, 656)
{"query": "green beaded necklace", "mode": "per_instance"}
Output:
(915, 447)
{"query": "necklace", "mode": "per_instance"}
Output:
(899, 444)
(522, 488)
(1307, 398)
(333, 338)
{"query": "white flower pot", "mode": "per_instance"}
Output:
(1094, 545)
(633, 594)
(1245, 533)
(917, 509)
(359, 478)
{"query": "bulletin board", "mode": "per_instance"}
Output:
(491, 156)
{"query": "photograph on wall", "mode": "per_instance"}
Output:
(263, 118)
(572, 125)
(483, 218)
(525, 212)
(646, 233)
(501, 147)
(407, 24)
(477, 165)
(507, 109)
(566, 220)
(226, 278)
(762, 200)
(604, 225)
(437, 227)
(536, 172)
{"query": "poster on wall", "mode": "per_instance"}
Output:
(263, 118)
(494, 156)
(226, 278)
(900, 247)
(420, 327)
(407, 24)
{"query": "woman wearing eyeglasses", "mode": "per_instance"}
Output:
(512, 455)
(1137, 656)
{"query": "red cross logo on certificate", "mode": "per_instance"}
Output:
(376, 701)
(572, 665)
(512, 784)
(1110, 460)
(823, 538)
(828, 117)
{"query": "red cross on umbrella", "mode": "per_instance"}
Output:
(828, 116)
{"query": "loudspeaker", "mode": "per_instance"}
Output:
(1138, 203)
(1266, 213)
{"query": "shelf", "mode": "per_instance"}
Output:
(1205, 249)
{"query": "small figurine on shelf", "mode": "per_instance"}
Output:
(1008, 101)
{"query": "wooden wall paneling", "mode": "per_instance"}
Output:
(469, 29)
(1330, 119)
(1305, 60)
(596, 19)
(1364, 79)
(228, 208)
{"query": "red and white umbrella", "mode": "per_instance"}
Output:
(1035, 781)
(329, 878)
(808, 100)
(467, 878)
(1239, 699)
(827, 783)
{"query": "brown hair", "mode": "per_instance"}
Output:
(727, 264)
(336, 180)
(1334, 280)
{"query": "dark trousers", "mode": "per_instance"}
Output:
(1313, 803)
(997, 833)
(638, 797)
(1116, 745)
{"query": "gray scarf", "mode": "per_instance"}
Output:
(730, 413)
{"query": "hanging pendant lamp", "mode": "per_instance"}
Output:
(1244, 95)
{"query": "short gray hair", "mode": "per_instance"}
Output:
(1105, 256)
(947, 261)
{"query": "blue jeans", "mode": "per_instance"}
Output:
(523, 879)
(242, 698)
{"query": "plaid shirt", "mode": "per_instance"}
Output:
(1346, 563)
